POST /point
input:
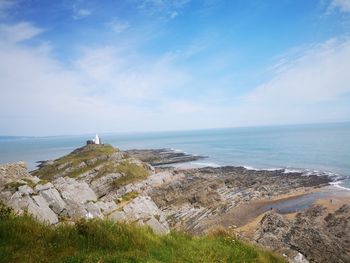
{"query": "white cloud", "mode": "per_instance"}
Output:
(307, 88)
(79, 13)
(118, 26)
(18, 32)
(113, 88)
(320, 74)
(341, 5)
(106, 89)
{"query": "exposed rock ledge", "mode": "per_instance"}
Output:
(163, 156)
(315, 233)
(75, 190)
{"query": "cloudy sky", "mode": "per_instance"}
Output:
(85, 66)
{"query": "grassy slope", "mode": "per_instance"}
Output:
(73, 159)
(131, 172)
(23, 239)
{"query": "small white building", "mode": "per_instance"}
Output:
(97, 139)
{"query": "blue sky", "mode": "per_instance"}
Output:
(81, 66)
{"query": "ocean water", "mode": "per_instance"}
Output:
(316, 148)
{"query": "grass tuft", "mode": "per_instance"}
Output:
(131, 173)
(23, 239)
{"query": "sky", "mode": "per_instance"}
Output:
(86, 66)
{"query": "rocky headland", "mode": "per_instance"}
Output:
(276, 209)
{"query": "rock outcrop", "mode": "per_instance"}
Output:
(198, 199)
(88, 183)
(315, 234)
(163, 156)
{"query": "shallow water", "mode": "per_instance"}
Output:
(295, 204)
(318, 147)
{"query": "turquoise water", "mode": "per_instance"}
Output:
(317, 147)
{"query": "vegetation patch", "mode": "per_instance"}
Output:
(77, 162)
(13, 186)
(128, 197)
(23, 239)
(131, 173)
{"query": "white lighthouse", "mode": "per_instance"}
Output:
(97, 139)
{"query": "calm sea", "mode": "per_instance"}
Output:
(316, 148)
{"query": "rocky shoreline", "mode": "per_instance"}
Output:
(270, 208)
(157, 157)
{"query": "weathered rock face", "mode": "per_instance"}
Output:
(201, 198)
(35, 204)
(144, 211)
(90, 194)
(163, 156)
(313, 233)
(73, 190)
(103, 185)
(15, 173)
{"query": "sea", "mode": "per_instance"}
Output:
(311, 149)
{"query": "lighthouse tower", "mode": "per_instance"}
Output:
(97, 139)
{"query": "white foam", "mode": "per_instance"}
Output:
(251, 168)
(289, 170)
(260, 169)
(205, 164)
(177, 150)
(338, 185)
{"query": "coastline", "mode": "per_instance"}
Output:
(253, 204)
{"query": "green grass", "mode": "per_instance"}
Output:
(75, 158)
(131, 173)
(128, 196)
(23, 239)
(13, 185)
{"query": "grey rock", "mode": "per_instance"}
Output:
(157, 227)
(118, 216)
(140, 208)
(54, 199)
(75, 210)
(93, 210)
(35, 205)
(143, 209)
(318, 236)
(106, 207)
(25, 190)
(41, 187)
(43, 211)
(74, 191)
(117, 156)
(102, 185)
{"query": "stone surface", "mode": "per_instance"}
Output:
(54, 199)
(118, 216)
(143, 209)
(318, 236)
(35, 205)
(41, 187)
(42, 210)
(163, 156)
(13, 172)
(157, 227)
(106, 207)
(93, 210)
(25, 190)
(102, 185)
(75, 191)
